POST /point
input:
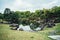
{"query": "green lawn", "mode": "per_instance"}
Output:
(7, 34)
(58, 29)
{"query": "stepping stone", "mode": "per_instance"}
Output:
(55, 37)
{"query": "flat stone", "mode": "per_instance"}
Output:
(56, 37)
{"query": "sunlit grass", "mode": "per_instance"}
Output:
(7, 34)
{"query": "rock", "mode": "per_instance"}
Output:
(21, 29)
(24, 28)
(14, 25)
(49, 25)
(14, 28)
(55, 37)
(38, 29)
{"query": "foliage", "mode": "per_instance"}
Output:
(7, 14)
(27, 17)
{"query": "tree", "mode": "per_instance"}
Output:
(14, 17)
(7, 14)
(1, 17)
(27, 14)
(56, 13)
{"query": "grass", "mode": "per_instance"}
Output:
(7, 34)
(58, 29)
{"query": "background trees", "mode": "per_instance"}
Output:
(7, 14)
(39, 17)
(1, 17)
(31, 17)
(56, 13)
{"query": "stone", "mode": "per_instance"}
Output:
(55, 37)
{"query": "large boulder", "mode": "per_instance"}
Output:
(24, 28)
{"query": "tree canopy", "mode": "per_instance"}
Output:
(27, 17)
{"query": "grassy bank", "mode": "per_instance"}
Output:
(7, 34)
